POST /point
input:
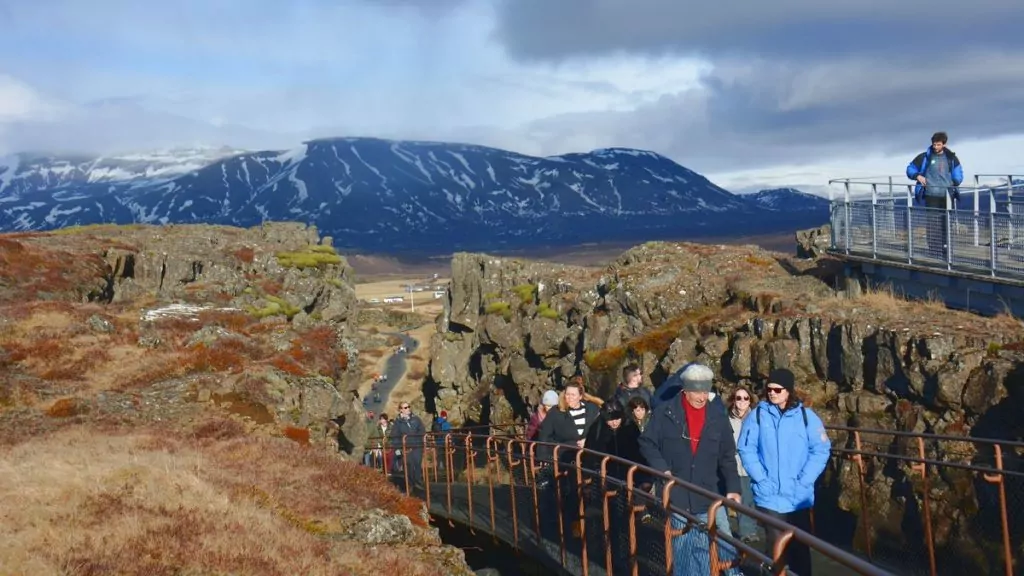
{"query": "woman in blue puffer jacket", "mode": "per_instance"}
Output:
(784, 448)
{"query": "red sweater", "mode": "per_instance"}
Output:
(695, 422)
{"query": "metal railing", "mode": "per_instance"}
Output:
(588, 512)
(915, 503)
(878, 218)
(927, 503)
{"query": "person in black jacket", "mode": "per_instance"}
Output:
(693, 442)
(409, 426)
(615, 434)
(632, 386)
(568, 425)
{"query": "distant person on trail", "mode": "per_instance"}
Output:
(440, 427)
(409, 426)
(548, 401)
(632, 385)
(937, 172)
(784, 448)
(692, 441)
(377, 456)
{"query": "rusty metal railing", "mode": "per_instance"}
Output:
(927, 503)
(588, 512)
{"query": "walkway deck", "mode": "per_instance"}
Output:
(547, 548)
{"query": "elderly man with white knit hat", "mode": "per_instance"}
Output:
(694, 444)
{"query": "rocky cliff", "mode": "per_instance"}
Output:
(866, 358)
(267, 308)
(193, 383)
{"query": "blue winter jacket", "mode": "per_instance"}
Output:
(784, 454)
(919, 165)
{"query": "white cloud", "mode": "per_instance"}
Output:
(19, 102)
(114, 75)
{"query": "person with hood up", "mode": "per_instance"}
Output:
(440, 428)
(548, 401)
(784, 448)
(692, 441)
(615, 434)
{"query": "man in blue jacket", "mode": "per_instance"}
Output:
(937, 172)
(692, 440)
(784, 448)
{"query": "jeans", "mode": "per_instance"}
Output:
(935, 225)
(747, 526)
(691, 552)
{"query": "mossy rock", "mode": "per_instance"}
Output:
(311, 256)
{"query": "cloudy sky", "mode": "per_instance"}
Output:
(750, 93)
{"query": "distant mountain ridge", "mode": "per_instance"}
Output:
(789, 199)
(398, 196)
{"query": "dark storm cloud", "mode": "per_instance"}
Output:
(799, 29)
(793, 80)
(759, 114)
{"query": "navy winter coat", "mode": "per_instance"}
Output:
(665, 444)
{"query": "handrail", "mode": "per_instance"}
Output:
(497, 449)
(911, 449)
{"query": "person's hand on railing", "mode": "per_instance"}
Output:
(922, 180)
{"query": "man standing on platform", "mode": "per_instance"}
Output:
(937, 172)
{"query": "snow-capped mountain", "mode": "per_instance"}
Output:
(789, 200)
(391, 196)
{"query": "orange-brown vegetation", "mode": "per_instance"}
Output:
(271, 286)
(298, 435)
(78, 396)
(313, 352)
(656, 340)
(28, 271)
(205, 500)
(245, 254)
(65, 408)
(760, 261)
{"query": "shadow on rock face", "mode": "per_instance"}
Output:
(1003, 421)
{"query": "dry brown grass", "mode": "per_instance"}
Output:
(84, 501)
(882, 306)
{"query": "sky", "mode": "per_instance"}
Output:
(751, 94)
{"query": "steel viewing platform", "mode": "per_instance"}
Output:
(880, 506)
(970, 254)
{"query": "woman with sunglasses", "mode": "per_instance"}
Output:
(784, 448)
(739, 408)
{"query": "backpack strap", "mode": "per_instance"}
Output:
(803, 411)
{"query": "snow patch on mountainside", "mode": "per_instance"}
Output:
(387, 195)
